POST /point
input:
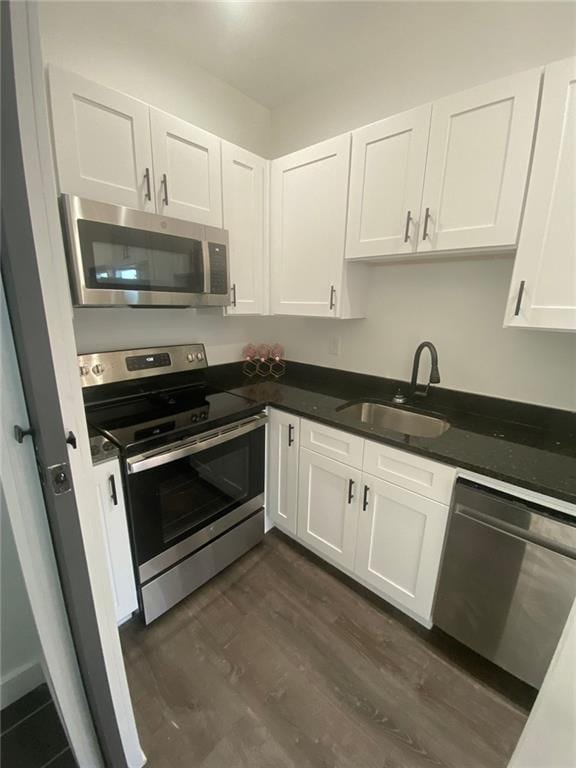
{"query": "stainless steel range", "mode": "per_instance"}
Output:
(193, 465)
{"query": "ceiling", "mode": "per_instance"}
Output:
(276, 51)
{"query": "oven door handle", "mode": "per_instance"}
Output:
(151, 460)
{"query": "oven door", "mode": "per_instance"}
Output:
(182, 499)
(120, 256)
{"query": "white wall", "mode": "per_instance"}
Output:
(20, 652)
(459, 306)
(431, 50)
(114, 44)
(100, 330)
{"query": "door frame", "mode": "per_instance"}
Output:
(39, 304)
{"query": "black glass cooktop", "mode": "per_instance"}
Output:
(166, 416)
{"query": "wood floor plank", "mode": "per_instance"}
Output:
(441, 694)
(278, 662)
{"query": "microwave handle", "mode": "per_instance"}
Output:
(146, 461)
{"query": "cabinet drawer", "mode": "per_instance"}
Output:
(332, 443)
(428, 478)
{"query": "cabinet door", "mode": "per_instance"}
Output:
(186, 170)
(113, 510)
(282, 475)
(543, 289)
(477, 166)
(308, 207)
(386, 180)
(245, 198)
(101, 142)
(328, 506)
(400, 539)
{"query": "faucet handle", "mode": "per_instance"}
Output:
(399, 397)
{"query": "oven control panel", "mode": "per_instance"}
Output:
(142, 362)
(123, 365)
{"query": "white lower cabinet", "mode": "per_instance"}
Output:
(113, 510)
(282, 476)
(379, 531)
(399, 544)
(328, 504)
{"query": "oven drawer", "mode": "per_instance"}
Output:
(168, 589)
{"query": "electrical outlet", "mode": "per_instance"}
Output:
(334, 345)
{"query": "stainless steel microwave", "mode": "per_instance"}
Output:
(123, 257)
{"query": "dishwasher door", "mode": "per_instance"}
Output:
(508, 579)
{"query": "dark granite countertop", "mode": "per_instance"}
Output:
(529, 446)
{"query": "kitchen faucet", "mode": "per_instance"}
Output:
(399, 397)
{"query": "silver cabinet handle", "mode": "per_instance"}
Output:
(148, 194)
(290, 434)
(332, 297)
(426, 220)
(519, 299)
(233, 294)
(407, 230)
(165, 185)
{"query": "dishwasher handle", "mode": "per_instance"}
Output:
(514, 530)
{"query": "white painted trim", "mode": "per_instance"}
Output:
(20, 681)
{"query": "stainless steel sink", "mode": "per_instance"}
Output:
(396, 419)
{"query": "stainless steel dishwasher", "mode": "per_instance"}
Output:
(508, 578)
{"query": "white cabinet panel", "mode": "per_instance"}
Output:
(386, 180)
(282, 478)
(328, 503)
(417, 474)
(245, 199)
(112, 508)
(187, 170)
(543, 289)
(102, 142)
(477, 166)
(309, 191)
(399, 546)
(333, 443)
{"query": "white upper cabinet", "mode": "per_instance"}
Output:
(101, 141)
(245, 196)
(543, 289)
(386, 181)
(477, 166)
(308, 225)
(187, 170)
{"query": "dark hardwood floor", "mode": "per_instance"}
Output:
(279, 662)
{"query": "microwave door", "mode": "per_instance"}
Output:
(119, 256)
